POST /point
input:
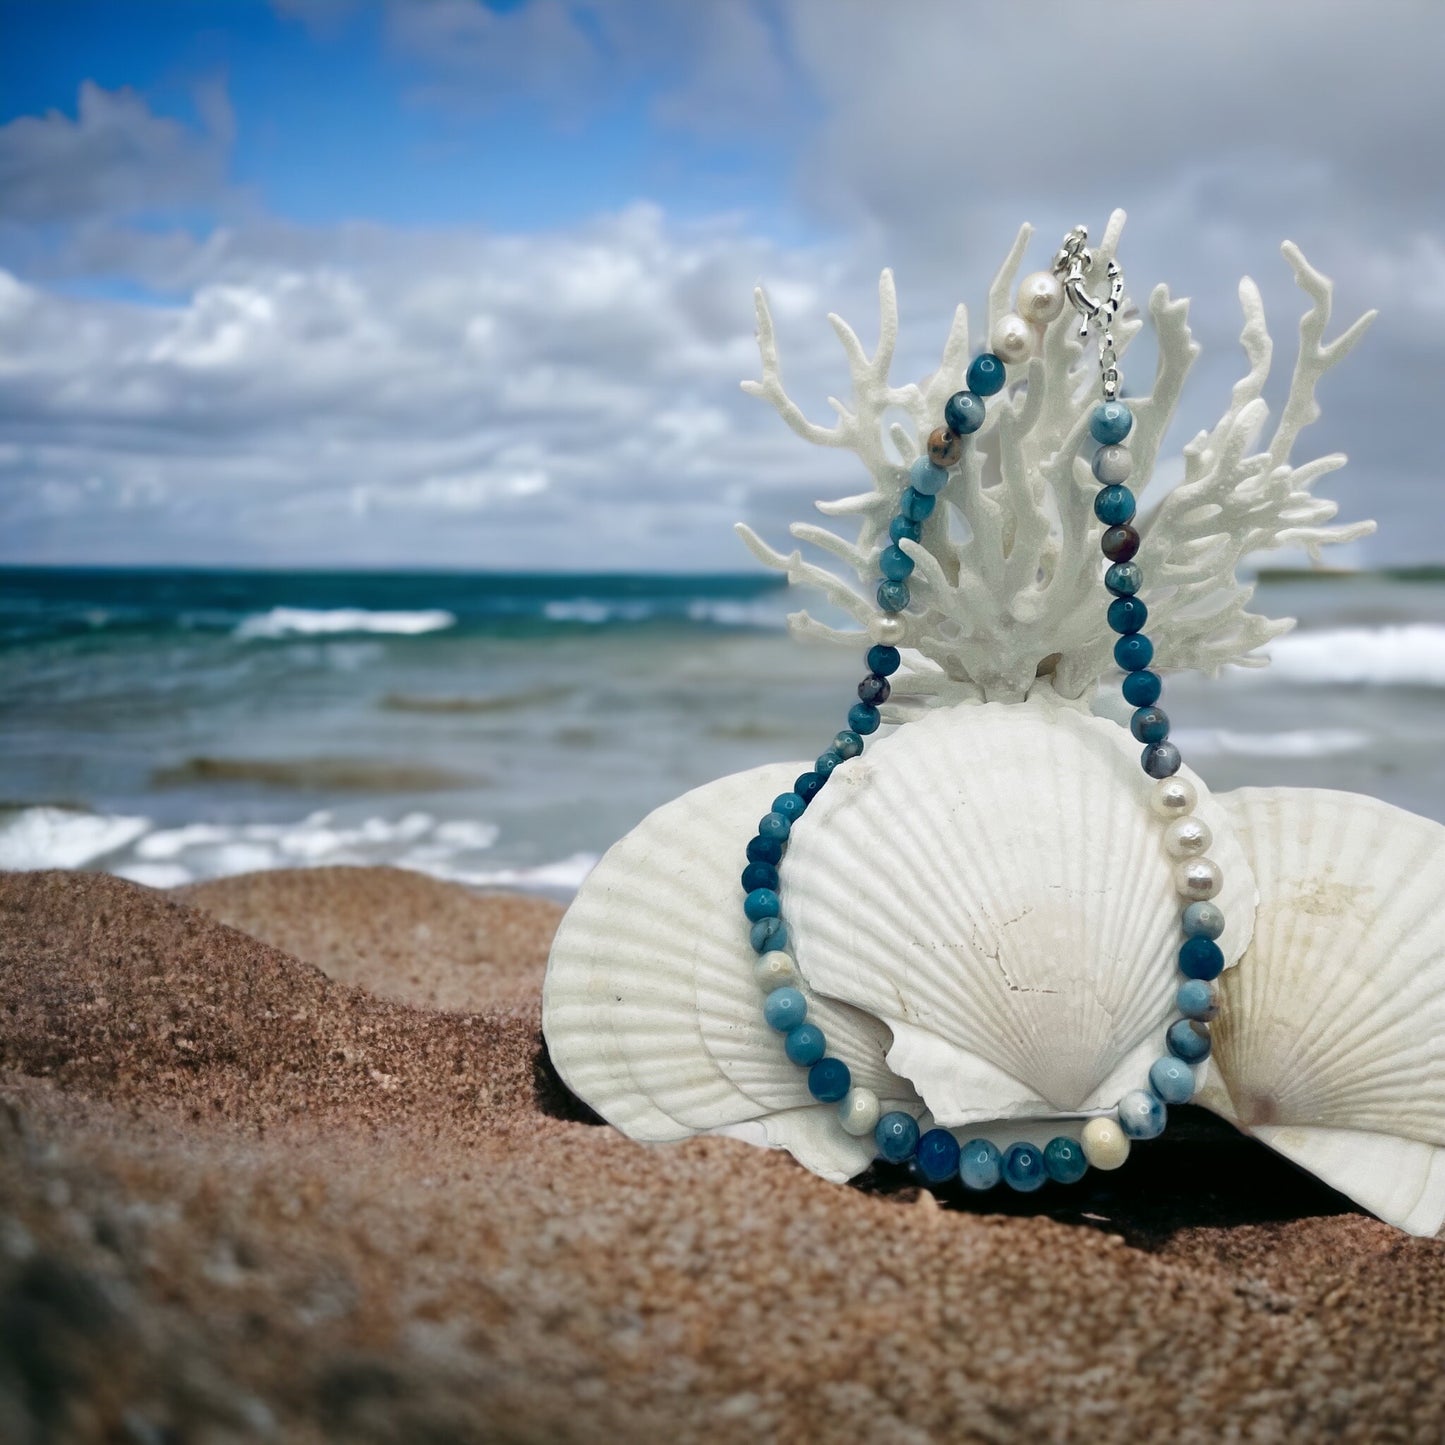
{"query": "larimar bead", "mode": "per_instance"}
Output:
(804, 1044)
(874, 689)
(893, 596)
(1110, 423)
(759, 875)
(784, 1009)
(1189, 1040)
(1197, 999)
(1204, 920)
(1064, 1160)
(916, 506)
(980, 1165)
(1127, 615)
(829, 1081)
(986, 374)
(1142, 688)
(937, 1156)
(766, 850)
(944, 447)
(927, 478)
(1114, 506)
(1023, 1168)
(1149, 724)
(769, 934)
(762, 903)
(1161, 760)
(884, 660)
(894, 564)
(846, 743)
(826, 761)
(1112, 465)
(1133, 653)
(1124, 579)
(1201, 958)
(790, 805)
(864, 718)
(1172, 1079)
(774, 825)
(896, 1136)
(963, 412)
(901, 527)
(1142, 1115)
(1119, 544)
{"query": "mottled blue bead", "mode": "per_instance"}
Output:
(1124, 579)
(896, 1136)
(768, 934)
(1127, 614)
(785, 1008)
(901, 527)
(1114, 506)
(765, 850)
(893, 596)
(895, 564)
(884, 660)
(1197, 999)
(980, 1165)
(774, 825)
(1201, 958)
(937, 1156)
(1189, 1040)
(986, 374)
(762, 903)
(829, 1081)
(1149, 724)
(1110, 422)
(1064, 1160)
(808, 785)
(864, 718)
(1023, 1168)
(927, 478)
(1142, 1115)
(790, 805)
(874, 689)
(846, 743)
(1161, 760)
(1203, 920)
(826, 761)
(804, 1044)
(759, 875)
(1172, 1079)
(963, 412)
(1142, 688)
(1133, 653)
(916, 506)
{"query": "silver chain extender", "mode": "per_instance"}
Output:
(1072, 263)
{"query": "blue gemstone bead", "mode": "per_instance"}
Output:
(1142, 688)
(864, 718)
(759, 875)
(980, 1165)
(808, 785)
(1201, 958)
(937, 1156)
(774, 825)
(916, 506)
(1161, 760)
(1197, 999)
(1114, 506)
(1110, 423)
(901, 527)
(1134, 653)
(927, 478)
(896, 1136)
(874, 689)
(1172, 1079)
(963, 412)
(1064, 1160)
(1189, 1040)
(847, 744)
(1124, 579)
(1142, 1115)
(986, 374)
(785, 1008)
(1149, 724)
(768, 934)
(893, 596)
(790, 805)
(762, 903)
(1023, 1168)
(895, 564)
(1127, 614)
(805, 1044)
(826, 761)
(765, 850)
(884, 660)
(1204, 920)
(829, 1081)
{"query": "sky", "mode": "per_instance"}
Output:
(444, 283)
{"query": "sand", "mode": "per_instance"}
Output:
(283, 1160)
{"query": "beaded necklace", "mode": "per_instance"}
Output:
(1142, 1113)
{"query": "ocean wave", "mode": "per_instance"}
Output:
(328, 775)
(1405, 655)
(566, 873)
(334, 621)
(46, 837)
(1298, 743)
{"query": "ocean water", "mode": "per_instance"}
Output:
(504, 730)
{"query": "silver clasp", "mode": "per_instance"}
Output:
(1072, 262)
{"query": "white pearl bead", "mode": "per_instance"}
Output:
(1198, 878)
(888, 629)
(1187, 838)
(1112, 465)
(775, 969)
(1040, 297)
(860, 1111)
(1173, 797)
(1106, 1146)
(1012, 340)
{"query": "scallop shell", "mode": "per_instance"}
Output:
(1331, 1043)
(990, 882)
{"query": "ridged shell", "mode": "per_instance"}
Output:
(991, 883)
(649, 1007)
(1331, 1044)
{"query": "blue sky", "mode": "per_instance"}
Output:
(465, 284)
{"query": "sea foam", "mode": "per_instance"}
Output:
(333, 621)
(1404, 655)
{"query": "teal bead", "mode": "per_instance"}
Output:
(829, 1081)
(864, 718)
(1023, 1168)
(884, 660)
(1142, 1115)
(847, 744)
(774, 825)
(1189, 1040)
(1110, 423)
(1161, 760)
(1114, 506)
(1124, 579)
(896, 1136)
(986, 374)
(785, 1008)
(1197, 999)
(927, 478)
(1134, 653)
(1204, 920)
(1141, 689)
(1127, 615)
(937, 1156)
(1201, 958)
(901, 527)
(895, 564)
(762, 903)
(827, 761)
(1149, 724)
(765, 850)
(916, 506)
(1172, 1079)
(791, 805)
(980, 1165)
(759, 875)
(768, 934)
(804, 1044)
(1064, 1160)
(808, 785)
(893, 596)
(963, 412)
